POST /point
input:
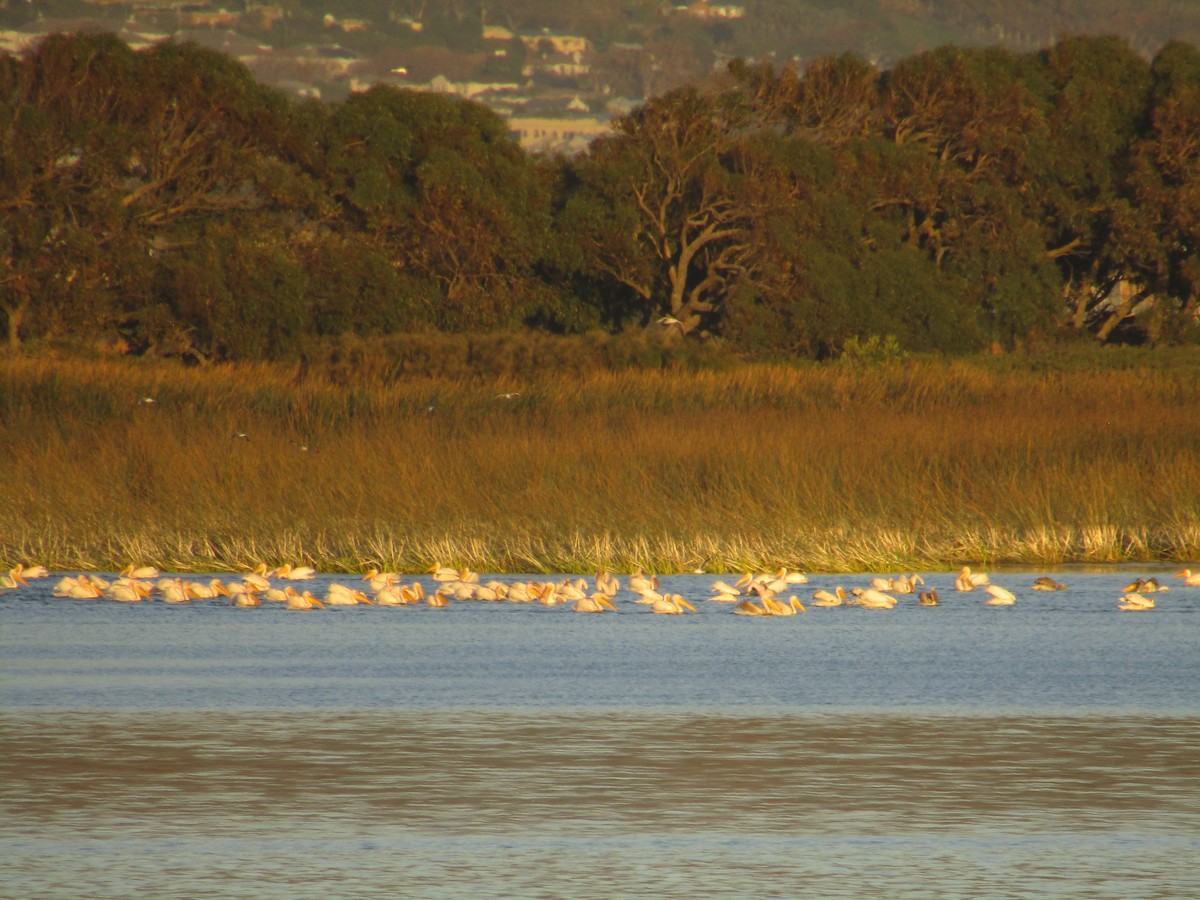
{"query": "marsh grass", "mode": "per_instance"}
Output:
(824, 468)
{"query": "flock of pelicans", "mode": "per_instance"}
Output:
(751, 595)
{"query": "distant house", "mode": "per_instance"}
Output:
(568, 136)
(704, 10)
(562, 44)
(210, 18)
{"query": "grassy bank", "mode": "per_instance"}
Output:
(830, 468)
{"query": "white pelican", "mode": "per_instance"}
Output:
(882, 584)
(671, 605)
(520, 593)
(458, 590)
(546, 593)
(443, 573)
(569, 591)
(791, 577)
(173, 590)
(779, 608)
(929, 597)
(401, 595)
(499, 588)
(872, 599)
(340, 595)
(135, 571)
(80, 588)
(214, 588)
(639, 581)
(750, 608)
(437, 600)
(306, 600)
(15, 577)
(240, 595)
(1188, 578)
(1135, 602)
(649, 596)
(906, 584)
(390, 596)
(379, 580)
(23, 571)
(607, 583)
(1046, 583)
(968, 580)
(597, 602)
(826, 598)
(724, 592)
(294, 573)
(126, 590)
(257, 579)
(1000, 596)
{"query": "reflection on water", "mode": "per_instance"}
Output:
(449, 802)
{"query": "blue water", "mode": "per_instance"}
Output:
(494, 749)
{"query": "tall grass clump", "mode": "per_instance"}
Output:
(916, 463)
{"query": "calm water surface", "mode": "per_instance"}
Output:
(1047, 748)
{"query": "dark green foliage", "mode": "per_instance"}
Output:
(965, 198)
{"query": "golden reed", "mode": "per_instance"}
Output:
(921, 464)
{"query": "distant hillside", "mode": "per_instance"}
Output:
(682, 36)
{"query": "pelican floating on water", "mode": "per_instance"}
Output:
(671, 605)
(288, 572)
(1135, 602)
(750, 608)
(340, 595)
(79, 588)
(136, 571)
(779, 608)
(872, 599)
(1000, 596)
(639, 581)
(829, 598)
(1188, 578)
(968, 580)
(596, 603)
(296, 600)
(1046, 583)
(22, 571)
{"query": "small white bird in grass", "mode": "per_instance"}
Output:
(508, 395)
(145, 401)
(668, 321)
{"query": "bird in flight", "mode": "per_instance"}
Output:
(510, 395)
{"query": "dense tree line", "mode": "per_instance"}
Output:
(961, 199)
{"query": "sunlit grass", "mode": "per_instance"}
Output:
(821, 468)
